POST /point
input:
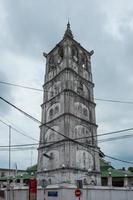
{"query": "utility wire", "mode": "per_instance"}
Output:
(21, 86)
(19, 129)
(115, 138)
(102, 140)
(117, 159)
(37, 89)
(35, 144)
(19, 149)
(123, 130)
(36, 120)
(16, 130)
(31, 146)
(114, 101)
(99, 135)
(57, 131)
(19, 145)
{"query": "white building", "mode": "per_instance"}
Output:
(4, 172)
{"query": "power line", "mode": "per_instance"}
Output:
(19, 149)
(99, 135)
(117, 159)
(33, 148)
(102, 140)
(115, 138)
(36, 120)
(40, 90)
(16, 130)
(114, 101)
(105, 134)
(21, 86)
(19, 129)
(19, 145)
(35, 144)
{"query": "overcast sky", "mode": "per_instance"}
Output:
(28, 28)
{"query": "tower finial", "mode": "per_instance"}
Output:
(68, 24)
(68, 32)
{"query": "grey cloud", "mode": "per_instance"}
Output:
(29, 25)
(35, 26)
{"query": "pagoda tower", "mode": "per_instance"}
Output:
(68, 150)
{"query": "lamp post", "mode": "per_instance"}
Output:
(110, 179)
(9, 150)
(125, 181)
(9, 157)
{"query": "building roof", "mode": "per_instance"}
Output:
(23, 176)
(6, 169)
(116, 173)
(106, 167)
(68, 35)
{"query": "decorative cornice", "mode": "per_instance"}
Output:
(70, 114)
(71, 91)
(69, 168)
(68, 69)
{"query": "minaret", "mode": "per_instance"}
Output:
(68, 108)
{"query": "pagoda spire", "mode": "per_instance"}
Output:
(68, 32)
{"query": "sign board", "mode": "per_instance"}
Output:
(78, 193)
(52, 194)
(32, 189)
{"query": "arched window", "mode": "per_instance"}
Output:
(81, 110)
(51, 135)
(61, 52)
(85, 111)
(54, 89)
(51, 63)
(56, 110)
(74, 53)
(60, 55)
(51, 60)
(82, 131)
(51, 113)
(83, 60)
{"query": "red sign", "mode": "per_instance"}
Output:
(33, 186)
(32, 189)
(78, 193)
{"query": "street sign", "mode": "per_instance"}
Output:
(52, 194)
(78, 192)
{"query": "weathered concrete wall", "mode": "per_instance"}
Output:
(17, 194)
(93, 193)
